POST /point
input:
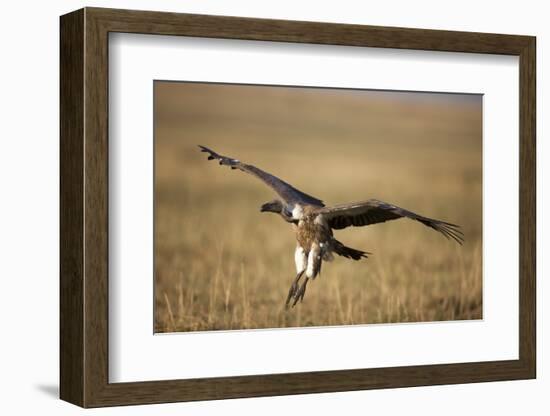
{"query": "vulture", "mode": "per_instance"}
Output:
(313, 223)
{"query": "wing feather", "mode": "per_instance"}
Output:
(369, 212)
(286, 191)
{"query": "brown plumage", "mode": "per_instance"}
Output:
(309, 231)
(313, 223)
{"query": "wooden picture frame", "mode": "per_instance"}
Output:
(84, 207)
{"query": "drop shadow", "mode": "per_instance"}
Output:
(51, 390)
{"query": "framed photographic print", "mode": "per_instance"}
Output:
(255, 207)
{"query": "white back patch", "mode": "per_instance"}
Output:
(297, 212)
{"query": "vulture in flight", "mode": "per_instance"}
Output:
(313, 223)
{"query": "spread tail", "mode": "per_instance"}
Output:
(347, 252)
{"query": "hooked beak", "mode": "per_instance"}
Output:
(269, 207)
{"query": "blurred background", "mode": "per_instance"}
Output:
(220, 264)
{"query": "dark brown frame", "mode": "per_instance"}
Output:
(84, 207)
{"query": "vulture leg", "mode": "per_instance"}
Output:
(300, 258)
(299, 296)
(293, 288)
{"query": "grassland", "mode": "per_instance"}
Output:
(221, 264)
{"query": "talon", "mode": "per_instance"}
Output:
(291, 293)
(299, 295)
(293, 288)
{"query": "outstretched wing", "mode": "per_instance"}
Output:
(286, 191)
(373, 211)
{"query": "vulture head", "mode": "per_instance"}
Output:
(275, 206)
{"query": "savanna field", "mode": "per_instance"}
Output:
(220, 264)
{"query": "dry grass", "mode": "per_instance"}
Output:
(221, 264)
